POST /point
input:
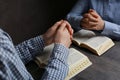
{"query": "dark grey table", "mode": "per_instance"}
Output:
(105, 67)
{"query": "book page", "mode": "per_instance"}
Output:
(42, 59)
(82, 36)
(75, 56)
(77, 62)
(98, 43)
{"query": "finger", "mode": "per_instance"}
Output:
(62, 26)
(66, 30)
(94, 13)
(72, 31)
(92, 24)
(91, 18)
(54, 28)
(90, 10)
(85, 20)
(70, 36)
(69, 27)
(85, 15)
(84, 25)
(56, 25)
(89, 23)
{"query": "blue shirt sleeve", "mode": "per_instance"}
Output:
(111, 30)
(29, 49)
(76, 14)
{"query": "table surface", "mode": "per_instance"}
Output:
(105, 67)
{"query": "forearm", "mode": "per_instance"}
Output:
(57, 68)
(74, 20)
(76, 14)
(28, 49)
(111, 30)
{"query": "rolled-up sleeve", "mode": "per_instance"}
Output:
(29, 49)
(76, 14)
(57, 68)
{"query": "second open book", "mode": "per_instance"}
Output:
(89, 40)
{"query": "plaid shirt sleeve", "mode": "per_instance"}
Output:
(28, 49)
(12, 67)
(57, 68)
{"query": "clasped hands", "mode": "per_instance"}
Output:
(61, 32)
(92, 21)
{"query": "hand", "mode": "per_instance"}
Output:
(63, 35)
(92, 21)
(49, 35)
(68, 26)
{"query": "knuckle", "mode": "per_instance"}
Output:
(52, 28)
(58, 22)
(59, 31)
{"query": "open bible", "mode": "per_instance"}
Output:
(76, 60)
(89, 40)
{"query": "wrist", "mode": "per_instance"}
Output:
(60, 52)
(44, 39)
(102, 25)
(61, 44)
(59, 41)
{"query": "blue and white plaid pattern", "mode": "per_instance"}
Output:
(12, 59)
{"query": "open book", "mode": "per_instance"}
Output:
(89, 40)
(76, 60)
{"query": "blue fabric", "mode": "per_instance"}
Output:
(13, 58)
(107, 9)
